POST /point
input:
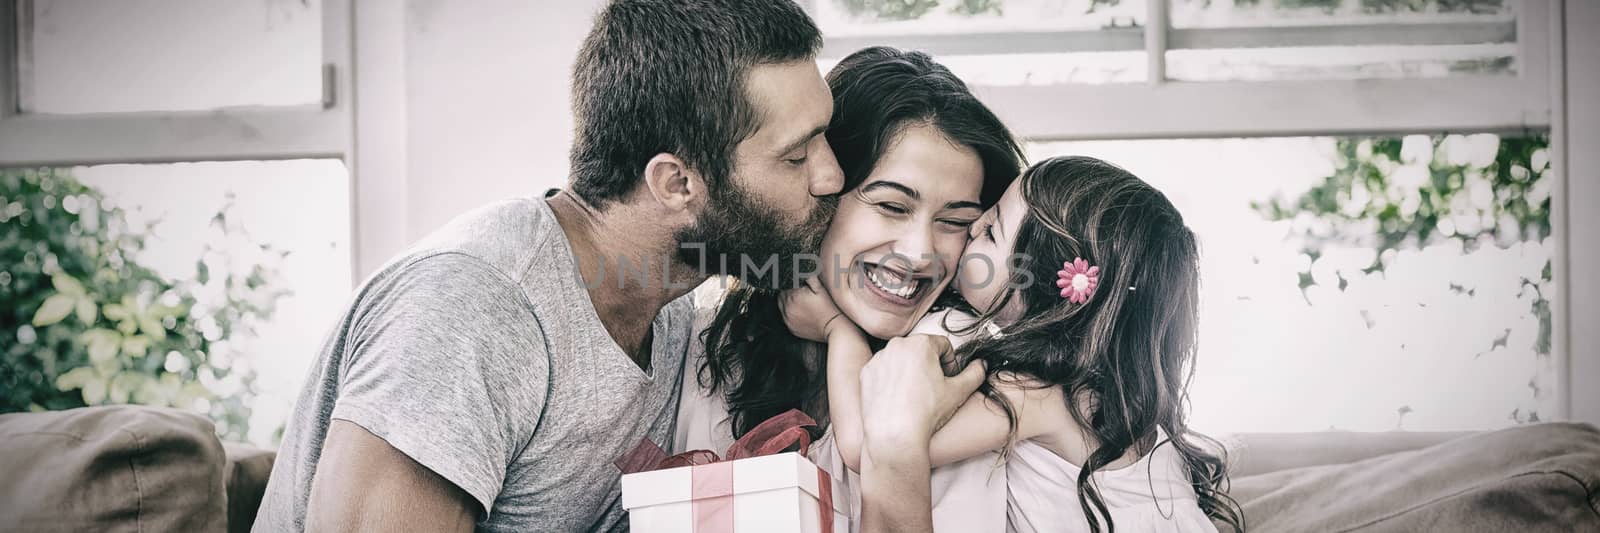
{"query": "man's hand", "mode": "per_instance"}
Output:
(364, 484)
(905, 393)
(809, 311)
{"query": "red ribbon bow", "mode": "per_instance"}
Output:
(712, 489)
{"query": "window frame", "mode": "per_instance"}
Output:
(234, 133)
(1165, 108)
(322, 130)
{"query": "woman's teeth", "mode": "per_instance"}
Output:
(892, 283)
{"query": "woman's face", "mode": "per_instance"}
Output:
(896, 239)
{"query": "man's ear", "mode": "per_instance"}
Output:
(673, 184)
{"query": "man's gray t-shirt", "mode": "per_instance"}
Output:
(479, 355)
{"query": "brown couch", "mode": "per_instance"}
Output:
(125, 468)
(131, 468)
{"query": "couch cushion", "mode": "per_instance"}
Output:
(118, 468)
(248, 470)
(1543, 477)
(1259, 453)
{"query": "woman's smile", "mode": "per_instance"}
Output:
(895, 287)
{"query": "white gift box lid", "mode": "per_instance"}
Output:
(754, 474)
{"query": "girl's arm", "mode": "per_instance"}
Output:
(978, 426)
(810, 314)
(848, 352)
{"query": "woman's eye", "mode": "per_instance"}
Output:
(957, 223)
(796, 161)
(893, 208)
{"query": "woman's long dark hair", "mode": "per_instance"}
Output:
(1124, 358)
(751, 358)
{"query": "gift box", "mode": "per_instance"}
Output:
(757, 488)
(776, 493)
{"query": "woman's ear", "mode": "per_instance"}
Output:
(673, 185)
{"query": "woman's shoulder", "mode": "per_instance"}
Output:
(702, 414)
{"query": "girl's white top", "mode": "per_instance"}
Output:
(1034, 491)
(1151, 495)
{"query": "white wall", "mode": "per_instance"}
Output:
(481, 91)
(488, 101)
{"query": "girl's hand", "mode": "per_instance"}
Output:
(809, 312)
(907, 395)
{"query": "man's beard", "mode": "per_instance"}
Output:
(739, 235)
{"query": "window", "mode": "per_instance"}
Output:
(999, 42)
(221, 131)
(89, 56)
(1098, 69)
(292, 217)
(1230, 40)
(90, 82)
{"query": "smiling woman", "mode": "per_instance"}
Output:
(921, 158)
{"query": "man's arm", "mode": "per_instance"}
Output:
(443, 374)
(906, 397)
(364, 484)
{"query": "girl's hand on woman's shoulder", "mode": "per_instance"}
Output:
(810, 313)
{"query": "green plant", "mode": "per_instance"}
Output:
(85, 323)
(1393, 194)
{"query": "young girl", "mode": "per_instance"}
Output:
(1083, 282)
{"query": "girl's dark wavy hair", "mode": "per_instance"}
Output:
(1124, 358)
(751, 358)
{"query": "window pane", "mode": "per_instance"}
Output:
(838, 18)
(1237, 13)
(1040, 69)
(1262, 40)
(1331, 268)
(243, 266)
(86, 56)
(1342, 62)
(999, 42)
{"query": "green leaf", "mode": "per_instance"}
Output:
(151, 326)
(66, 284)
(202, 273)
(54, 309)
(87, 311)
(159, 312)
(116, 312)
(190, 392)
(128, 327)
(148, 393)
(108, 367)
(94, 392)
(193, 390)
(103, 344)
(160, 393)
(124, 384)
(75, 378)
(136, 346)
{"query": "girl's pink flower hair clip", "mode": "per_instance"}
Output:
(1077, 280)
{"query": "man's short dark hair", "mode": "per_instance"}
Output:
(667, 76)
